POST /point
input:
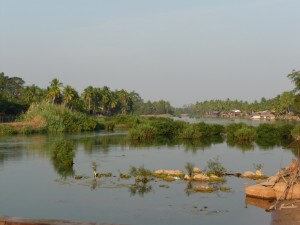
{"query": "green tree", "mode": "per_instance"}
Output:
(294, 76)
(54, 91)
(286, 100)
(69, 96)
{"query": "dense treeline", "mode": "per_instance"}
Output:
(264, 135)
(16, 97)
(285, 103)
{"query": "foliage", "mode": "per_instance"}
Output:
(189, 168)
(6, 129)
(142, 132)
(191, 131)
(245, 134)
(141, 171)
(58, 118)
(214, 166)
(166, 127)
(284, 131)
(141, 174)
(296, 131)
(267, 132)
(258, 166)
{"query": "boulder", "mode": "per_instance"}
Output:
(176, 173)
(248, 174)
(197, 170)
(186, 177)
(200, 177)
(206, 189)
(260, 191)
(293, 193)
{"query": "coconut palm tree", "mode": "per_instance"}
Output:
(87, 95)
(54, 91)
(69, 95)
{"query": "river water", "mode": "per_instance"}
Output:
(33, 187)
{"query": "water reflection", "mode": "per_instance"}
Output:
(139, 189)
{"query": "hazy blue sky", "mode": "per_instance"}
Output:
(181, 51)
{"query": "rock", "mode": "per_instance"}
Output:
(258, 173)
(293, 193)
(176, 173)
(206, 189)
(186, 177)
(196, 170)
(248, 174)
(260, 191)
(254, 176)
(212, 176)
(200, 177)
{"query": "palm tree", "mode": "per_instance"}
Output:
(69, 94)
(295, 77)
(32, 94)
(87, 95)
(54, 91)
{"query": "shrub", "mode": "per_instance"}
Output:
(166, 127)
(142, 132)
(57, 118)
(232, 128)
(214, 166)
(7, 130)
(245, 134)
(190, 168)
(296, 131)
(191, 131)
(285, 131)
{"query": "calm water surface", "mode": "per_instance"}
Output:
(32, 187)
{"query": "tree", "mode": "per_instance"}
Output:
(32, 93)
(69, 95)
(294, 76)
(286, 100)
(54, 91)
(11, 87)
(87, 95)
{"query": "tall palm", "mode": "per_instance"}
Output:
(88, 95)
(69, 94)
(295, 77)
(54, 91)
(105, 92)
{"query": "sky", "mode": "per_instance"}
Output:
(181, 51)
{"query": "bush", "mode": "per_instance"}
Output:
(7, 130)
(285, 131)
(296, 131)
(142, 132)
(57, 119)
(166, 127)
(191, 131)
(245, 134)
(214, 166)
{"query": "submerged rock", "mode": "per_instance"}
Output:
(205, 189)
(200, 177)
(254, 176)
(197, 170)
(176, 173)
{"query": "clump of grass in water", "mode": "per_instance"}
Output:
(141, 174)
(142, 132)
(215, 167)
(189, 168)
